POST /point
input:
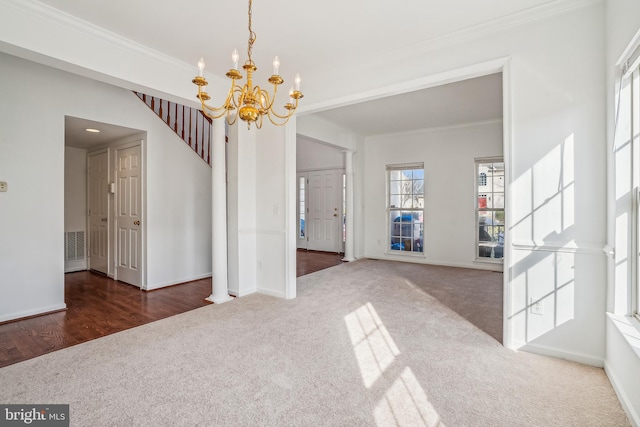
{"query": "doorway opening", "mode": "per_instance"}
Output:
(99, 191)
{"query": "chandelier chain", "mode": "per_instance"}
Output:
(252, 34)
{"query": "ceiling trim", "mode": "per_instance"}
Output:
(58, 17)
(84, 29)
(438, 128)
(451, 76)
(484, 29)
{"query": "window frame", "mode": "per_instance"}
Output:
(634, 77)
(477, 193)
(301, 225)
(420, 211)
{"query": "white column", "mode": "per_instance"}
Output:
(348, 244)
(219, 281)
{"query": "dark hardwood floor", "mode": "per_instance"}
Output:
(309, 261)
(99, 306)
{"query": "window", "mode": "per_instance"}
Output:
(406, 207)
(301, 207)
(344, 208)
(635, 149)
(634, 134)
(489, 196)
(627, 165)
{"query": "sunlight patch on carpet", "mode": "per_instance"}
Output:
(405, 404)
(374, 348)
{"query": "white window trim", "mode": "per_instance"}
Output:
(634, 75)
(477, 161)
(389, 209)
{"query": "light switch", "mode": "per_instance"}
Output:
(3, 187)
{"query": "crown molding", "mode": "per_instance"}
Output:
(437, 129)
(493, 26)
(449, 76)
(84, 28)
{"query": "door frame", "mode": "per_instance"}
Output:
(304, 243)
(88, 208)
(143, 209)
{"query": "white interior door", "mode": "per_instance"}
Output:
(98, 210)
(129, 214)
(325, 210)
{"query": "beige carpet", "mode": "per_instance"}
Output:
(367, 343)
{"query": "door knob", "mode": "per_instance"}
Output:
(136, 222)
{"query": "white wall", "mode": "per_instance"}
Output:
(270, 210)
(448, 156)
(261, 169)
(32, 162)
(241, 206)
(75, 198)
(312, 155)
(32, 226)
(623, 333)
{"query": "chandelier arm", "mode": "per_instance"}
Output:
(284, 121)
(208, 110)
(287, 115)
(269, 98)
(229, 121)
(264, 100)
(277, 119)
(237, 100)
(211, 112)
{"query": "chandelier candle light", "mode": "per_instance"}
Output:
(252, 102)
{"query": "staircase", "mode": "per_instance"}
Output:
(188, 123)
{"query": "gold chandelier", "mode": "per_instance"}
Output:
(252, 102)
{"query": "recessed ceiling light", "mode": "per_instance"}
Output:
(92, 130)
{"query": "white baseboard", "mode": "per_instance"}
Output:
(632, 415)
(178, 282)
(33, 312)
(71, 266)
(559, 354)
(269, 292)
(421, 260)
(237, 294)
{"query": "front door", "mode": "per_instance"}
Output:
(325, 210)
(129, 214)
(98, 177)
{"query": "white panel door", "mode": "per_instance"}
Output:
(98, 177)
(324, 195)
(129, 215)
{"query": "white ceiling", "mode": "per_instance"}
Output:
(468, 101)
(76, 135)
(315, 38)
(308, 35)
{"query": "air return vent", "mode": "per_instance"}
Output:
(73, 245)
